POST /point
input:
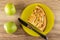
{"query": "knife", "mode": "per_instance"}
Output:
(26, 24)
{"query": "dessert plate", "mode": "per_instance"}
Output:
(28, 11)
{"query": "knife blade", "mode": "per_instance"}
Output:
(26, 24)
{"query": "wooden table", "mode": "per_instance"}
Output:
(20, 5)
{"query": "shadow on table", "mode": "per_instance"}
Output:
(20, 30)
(20, 7)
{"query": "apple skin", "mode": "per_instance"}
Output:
(10, 9)
(10, 27)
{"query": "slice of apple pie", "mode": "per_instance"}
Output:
(38, 18)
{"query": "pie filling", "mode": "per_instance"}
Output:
(38, 18)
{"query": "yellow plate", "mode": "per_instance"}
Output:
(28, 11)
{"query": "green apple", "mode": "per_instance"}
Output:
(10, 9)
(10, 27)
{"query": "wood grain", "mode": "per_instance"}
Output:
(20, 5)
